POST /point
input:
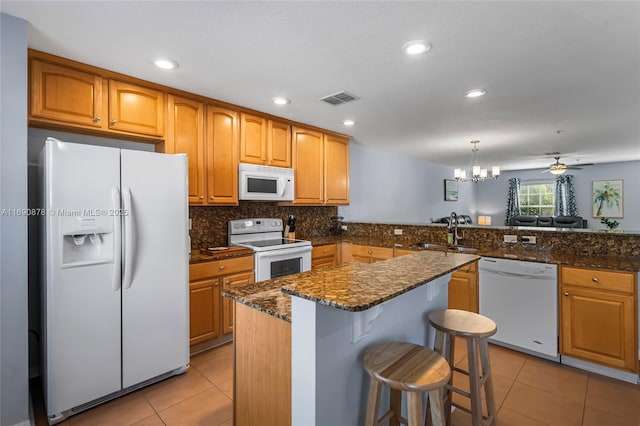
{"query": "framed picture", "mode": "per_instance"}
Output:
(450, 190)
(607, 198)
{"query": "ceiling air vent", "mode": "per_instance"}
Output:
(339, 98)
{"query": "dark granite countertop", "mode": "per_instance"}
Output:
(351, 287)
(229, 252)
(358, 286)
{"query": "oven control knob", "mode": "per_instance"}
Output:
(274, 223)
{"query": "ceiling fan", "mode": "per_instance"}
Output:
(559, 168)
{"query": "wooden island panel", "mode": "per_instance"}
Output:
(262, 387)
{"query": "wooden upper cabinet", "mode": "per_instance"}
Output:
(279, 144)
(185, 135)
(253, 138)
(221, 146)
(135, 109)
(264, 142)
(336, 170)
(65, 94)
(321, 164)
(307, 147)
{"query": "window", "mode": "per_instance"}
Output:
(537, 198)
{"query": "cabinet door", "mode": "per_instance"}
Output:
(231, 281)
(221, 147)
(204, 310)
(186, 136)
(307, 149)
(336, 170)
(253, 139)
(599, 326)
(135, 109)
(463, 291)
(64, 94)
(279, 144)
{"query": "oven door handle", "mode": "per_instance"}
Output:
(292, 252)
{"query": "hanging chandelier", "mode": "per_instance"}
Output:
(477, 172)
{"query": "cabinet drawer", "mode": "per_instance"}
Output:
(323, 251)
(370, 251)
(470, 268)
(598, 278)
(220, 267)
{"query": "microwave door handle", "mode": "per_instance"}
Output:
(281, 184)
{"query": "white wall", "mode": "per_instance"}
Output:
(14, 384)
(492, 195)
(392, 188)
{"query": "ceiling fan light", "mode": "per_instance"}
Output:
(495, 171)
(483, 173)
(557, 171)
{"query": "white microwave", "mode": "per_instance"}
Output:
(264, 183)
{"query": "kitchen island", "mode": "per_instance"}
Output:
(299, 339)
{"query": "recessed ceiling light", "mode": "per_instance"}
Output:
(348, 122)
(416, 47)
(474, 93)
(165, 64)
(281, 101)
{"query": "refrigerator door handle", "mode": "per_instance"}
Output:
(117, 240)
(129, 239)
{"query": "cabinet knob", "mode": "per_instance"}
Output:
(226, 282)
(202, 197)
(566, 293)
(595, 280)
(264, 159)
(211, 198)
(324, 251)
(221, 267)
(270, 161)
(216, 284)
(97, 119)
(370, 252)
(114, 121)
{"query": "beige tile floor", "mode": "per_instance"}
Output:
(529, 391)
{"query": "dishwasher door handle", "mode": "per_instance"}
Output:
(516, 275)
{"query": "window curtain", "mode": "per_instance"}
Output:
(513, 200)
(565, 196)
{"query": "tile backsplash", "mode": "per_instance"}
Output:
(209, 224)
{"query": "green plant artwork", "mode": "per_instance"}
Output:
(607, 198)
(610, 224)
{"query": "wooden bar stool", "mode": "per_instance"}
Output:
(405, 367)
(476, 329)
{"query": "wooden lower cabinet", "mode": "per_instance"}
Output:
(324, 256)
(204, 311)
(463, 289)
(262, 368)
(210, 314)
(598, 317)
(232, 281)
(370, 254)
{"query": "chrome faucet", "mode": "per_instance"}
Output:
(452, 236)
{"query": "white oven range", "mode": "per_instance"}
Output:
(274, 256)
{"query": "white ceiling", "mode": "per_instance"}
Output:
(572, 66)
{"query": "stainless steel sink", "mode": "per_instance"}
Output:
(462, 249)
(429, 246)
(459, 249)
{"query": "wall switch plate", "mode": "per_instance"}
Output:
(527, 239)
(343, 227)
(510, 238)
(190, 223)
(397, 232)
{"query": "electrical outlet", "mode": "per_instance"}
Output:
(343, 227)
(397, 232)
(510, 238)
(527, 239)
(190, 223)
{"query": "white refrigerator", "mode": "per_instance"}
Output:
(115, 279)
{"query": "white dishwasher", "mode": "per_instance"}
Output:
(522, 298)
